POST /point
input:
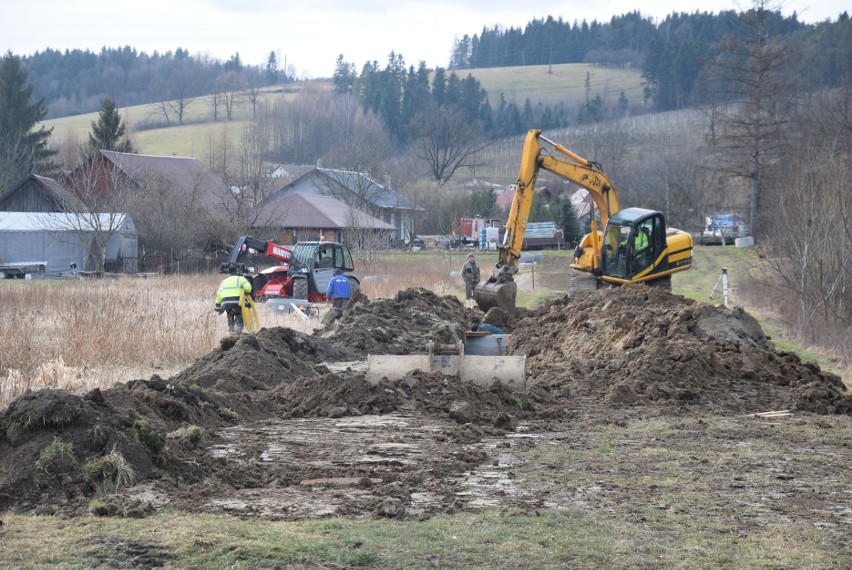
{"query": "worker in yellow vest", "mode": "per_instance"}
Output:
(228, 298)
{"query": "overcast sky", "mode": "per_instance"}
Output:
(310, 35)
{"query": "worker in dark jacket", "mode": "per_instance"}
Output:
(228, 298)
(339, 290)
(470, 275)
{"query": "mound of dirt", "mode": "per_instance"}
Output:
(261, 361)
(401, 325)
(636, 345)
(605, 352)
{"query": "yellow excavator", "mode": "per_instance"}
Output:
(634, 247)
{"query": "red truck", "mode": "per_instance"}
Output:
(467, 230)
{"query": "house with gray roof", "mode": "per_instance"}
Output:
(185, 174)
(44, 225)
(305, 216)
(178, 204)
(357, 190)
(38, 194)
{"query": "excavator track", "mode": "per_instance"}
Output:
(582, 282)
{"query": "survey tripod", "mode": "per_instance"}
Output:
(726, 286)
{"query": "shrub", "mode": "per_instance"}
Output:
(55, 454)
(187, 435)
(150, 438)
(101, 508)
(109, 473)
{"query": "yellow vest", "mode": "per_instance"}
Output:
(231, 286)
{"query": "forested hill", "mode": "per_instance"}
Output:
(674, 55)
(75, 81)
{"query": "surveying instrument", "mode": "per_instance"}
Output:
(726, 285)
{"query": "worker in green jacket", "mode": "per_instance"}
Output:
(228, 298)
(641, 251)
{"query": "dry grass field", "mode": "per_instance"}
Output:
(86, 333)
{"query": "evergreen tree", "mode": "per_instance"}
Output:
(473, 98)
(344, 75)
(234, 63)
(567, 219)
(368, 87)
(453, 95)
(108, 131)
(271, 69)
(439, 87)
(527, 114)
(416, 95)
(391, 81)
(23, 148)
(547, 120)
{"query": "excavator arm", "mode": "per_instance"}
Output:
(500, 289)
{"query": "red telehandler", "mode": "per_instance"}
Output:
(302, 277)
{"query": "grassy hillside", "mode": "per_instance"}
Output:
(152, 134)
(558, 83)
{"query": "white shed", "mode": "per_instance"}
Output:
(52, 244)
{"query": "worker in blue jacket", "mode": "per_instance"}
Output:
(339, 290)
(485, 327)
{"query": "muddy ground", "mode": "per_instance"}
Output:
(283, 425)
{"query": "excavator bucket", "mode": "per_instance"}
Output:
(496, 294)
(479, 369)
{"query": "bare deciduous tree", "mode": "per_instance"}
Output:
(253, 80)
(753, 71)
(363, 240)
(446, 142)
(230, 86)
(244, 170)
(215, 100)
(16, 158)
(422, 191)
(173, 220)
(811, 241)
(102, 199)
(352, 187)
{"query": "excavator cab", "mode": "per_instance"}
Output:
(633, 244)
